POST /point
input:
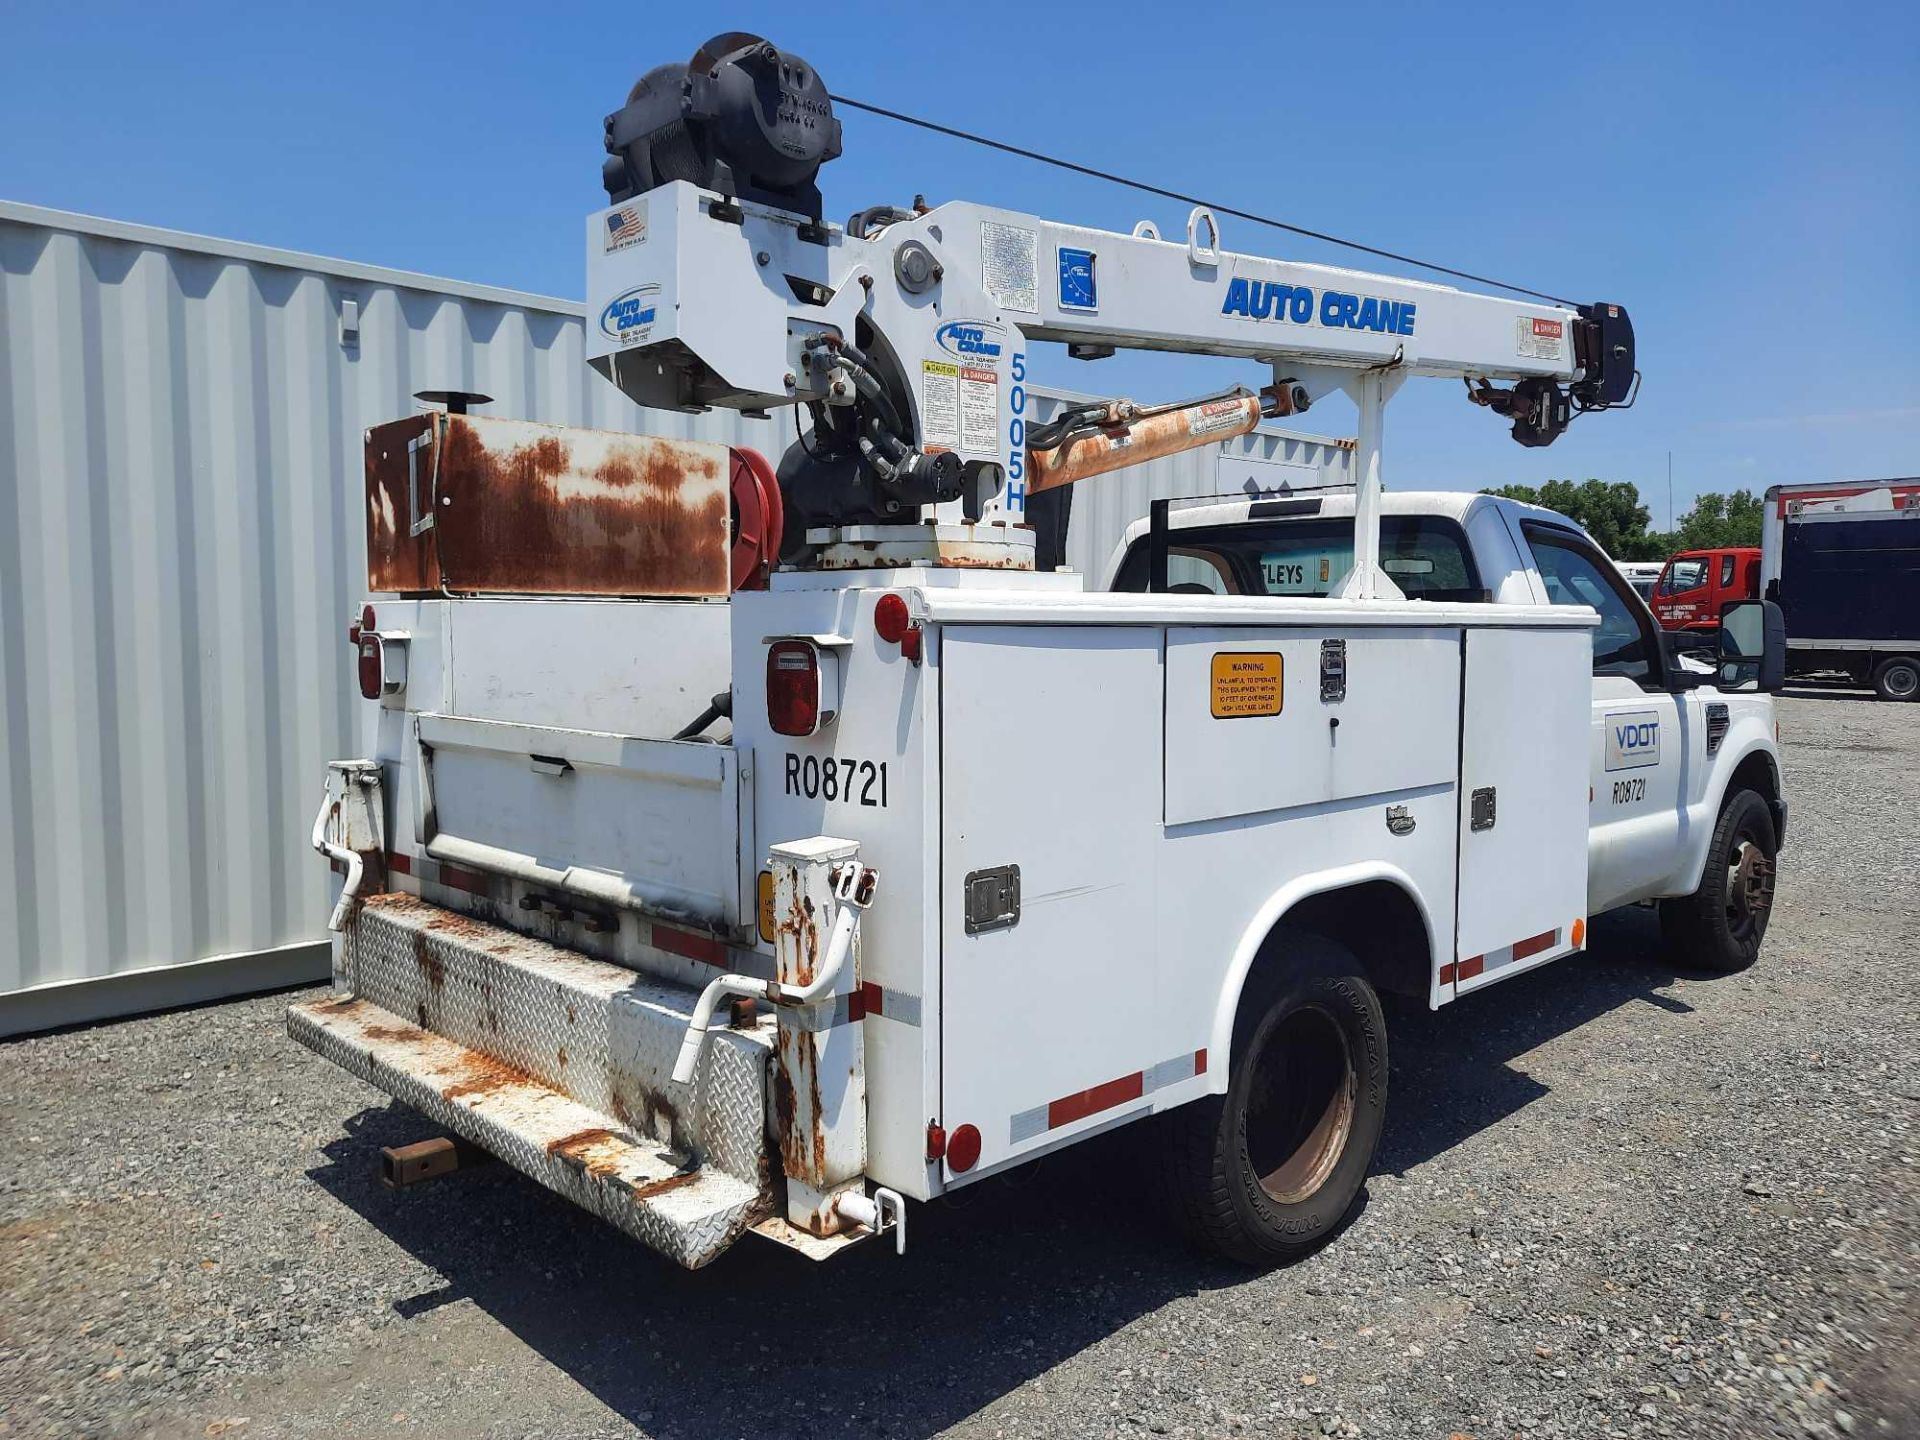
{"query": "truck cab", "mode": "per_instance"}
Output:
(1666, 744)
(1696, 584)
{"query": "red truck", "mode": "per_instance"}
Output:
(1696, 583)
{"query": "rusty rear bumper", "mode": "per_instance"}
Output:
(558, 1064)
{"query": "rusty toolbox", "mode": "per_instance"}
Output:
(469, 504)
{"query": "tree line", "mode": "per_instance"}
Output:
(1611, 512)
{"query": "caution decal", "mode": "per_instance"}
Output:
(1246, 684)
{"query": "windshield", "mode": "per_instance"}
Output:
(1425, 556)
(1683, 575)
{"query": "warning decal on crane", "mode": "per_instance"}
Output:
(1246, 685)
(1215, 416)
(1541, 339)
(959, 407)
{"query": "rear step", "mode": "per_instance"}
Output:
(558, 1064)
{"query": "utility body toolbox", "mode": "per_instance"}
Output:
(1081, 809)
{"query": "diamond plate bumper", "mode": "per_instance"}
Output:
(559, 1065)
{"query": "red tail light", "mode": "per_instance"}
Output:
(372, 680)
(894, 624)
(793, 687)
(963, 1149)
(890, 618)
(382, 659)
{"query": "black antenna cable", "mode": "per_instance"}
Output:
(1166, 194)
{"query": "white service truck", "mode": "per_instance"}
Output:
(750, 849)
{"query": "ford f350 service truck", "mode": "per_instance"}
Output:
(751, 848)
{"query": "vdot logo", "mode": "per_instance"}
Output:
(1633, 740)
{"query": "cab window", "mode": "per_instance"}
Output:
(1577, 574)
(1424, 555)
(1726, 571)
(1683, 575)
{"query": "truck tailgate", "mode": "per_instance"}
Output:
(650, 825)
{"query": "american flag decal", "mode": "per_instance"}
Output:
(626, 227)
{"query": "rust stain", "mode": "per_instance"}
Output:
(962, 555)
(785, 1108)
(458, 926)
(963, 560)
(617, 471)
(802, 1150)
(659, 1187)
(390, 1032)
(524, 520)
(397, 561)
(431, 965)
(597, 1151)
(339, 1005)
(482, 1075)
(653, 1115)
(1135, 441)
(801, 925)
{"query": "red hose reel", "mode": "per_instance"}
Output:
(758, 519)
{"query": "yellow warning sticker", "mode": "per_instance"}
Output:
(1246, 684)
(766, 906)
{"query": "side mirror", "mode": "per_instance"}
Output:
(1753, 646)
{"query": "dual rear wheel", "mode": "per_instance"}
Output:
(1267, 1172)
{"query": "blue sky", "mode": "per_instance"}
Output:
(1746, 179)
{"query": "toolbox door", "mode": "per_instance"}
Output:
(1523, 803)
(1050, 820)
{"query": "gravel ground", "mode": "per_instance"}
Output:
(1612, 1200)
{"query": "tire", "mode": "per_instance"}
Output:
(1897, 678)
(1720, 926)
(1266, 1173)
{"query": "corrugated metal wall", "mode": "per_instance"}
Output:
(180, 544)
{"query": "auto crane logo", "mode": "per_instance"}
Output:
(976, 340)
(1334, 309)
(629, 316)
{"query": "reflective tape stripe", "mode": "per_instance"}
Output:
(1475, 965)
(894, 1005)
(704, 948)
(1534, 944)
(438, 872)
(889, 1004)
(1078, 1106)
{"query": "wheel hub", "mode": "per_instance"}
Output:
(1749, 887)
(1301, 1112)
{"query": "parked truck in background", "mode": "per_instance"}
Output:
(1641, 575)
(1843, 562)
(1696, 585)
